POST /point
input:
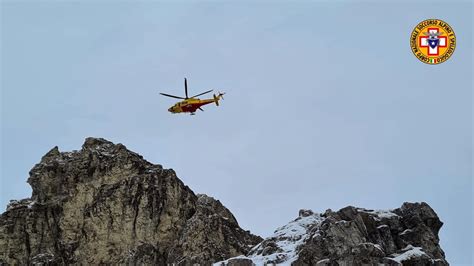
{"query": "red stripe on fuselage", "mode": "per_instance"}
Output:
(192, 107)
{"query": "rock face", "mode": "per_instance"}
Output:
(353, 236)
(106, 204)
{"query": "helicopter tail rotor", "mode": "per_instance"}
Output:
(218, 97)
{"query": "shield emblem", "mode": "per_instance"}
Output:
(433, 43)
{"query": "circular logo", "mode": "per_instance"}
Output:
(433, 41)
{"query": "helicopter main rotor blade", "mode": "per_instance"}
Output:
(201, 93)
(172, 96)
(186, 87)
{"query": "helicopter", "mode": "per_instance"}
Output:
(191, 104)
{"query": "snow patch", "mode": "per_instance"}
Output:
(378, 247)
(406, 232)
(285, 241)
(409, 252)
(15, 204)
(31, 204)
(381, 214)
(323, 261)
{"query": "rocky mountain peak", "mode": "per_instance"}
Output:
(58, 174)
(97, 143)
(106, 204)
(353, 236)
(54, 152)
(212, 205)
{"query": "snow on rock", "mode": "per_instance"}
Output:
(14, 204)
(283, 246)
(406, 231)
(409, 252)
(144, 214)
(352, 236)
(381, 213)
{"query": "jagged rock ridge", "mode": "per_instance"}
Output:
(106, 204)
(353, 236)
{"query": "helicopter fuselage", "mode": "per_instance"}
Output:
(189, 105)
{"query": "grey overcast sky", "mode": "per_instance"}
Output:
(326, 106)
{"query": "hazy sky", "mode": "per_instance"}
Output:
(326, 106)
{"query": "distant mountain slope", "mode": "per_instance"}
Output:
(105, 204)
(353, 236)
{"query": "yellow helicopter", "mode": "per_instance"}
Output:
(191, 104)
